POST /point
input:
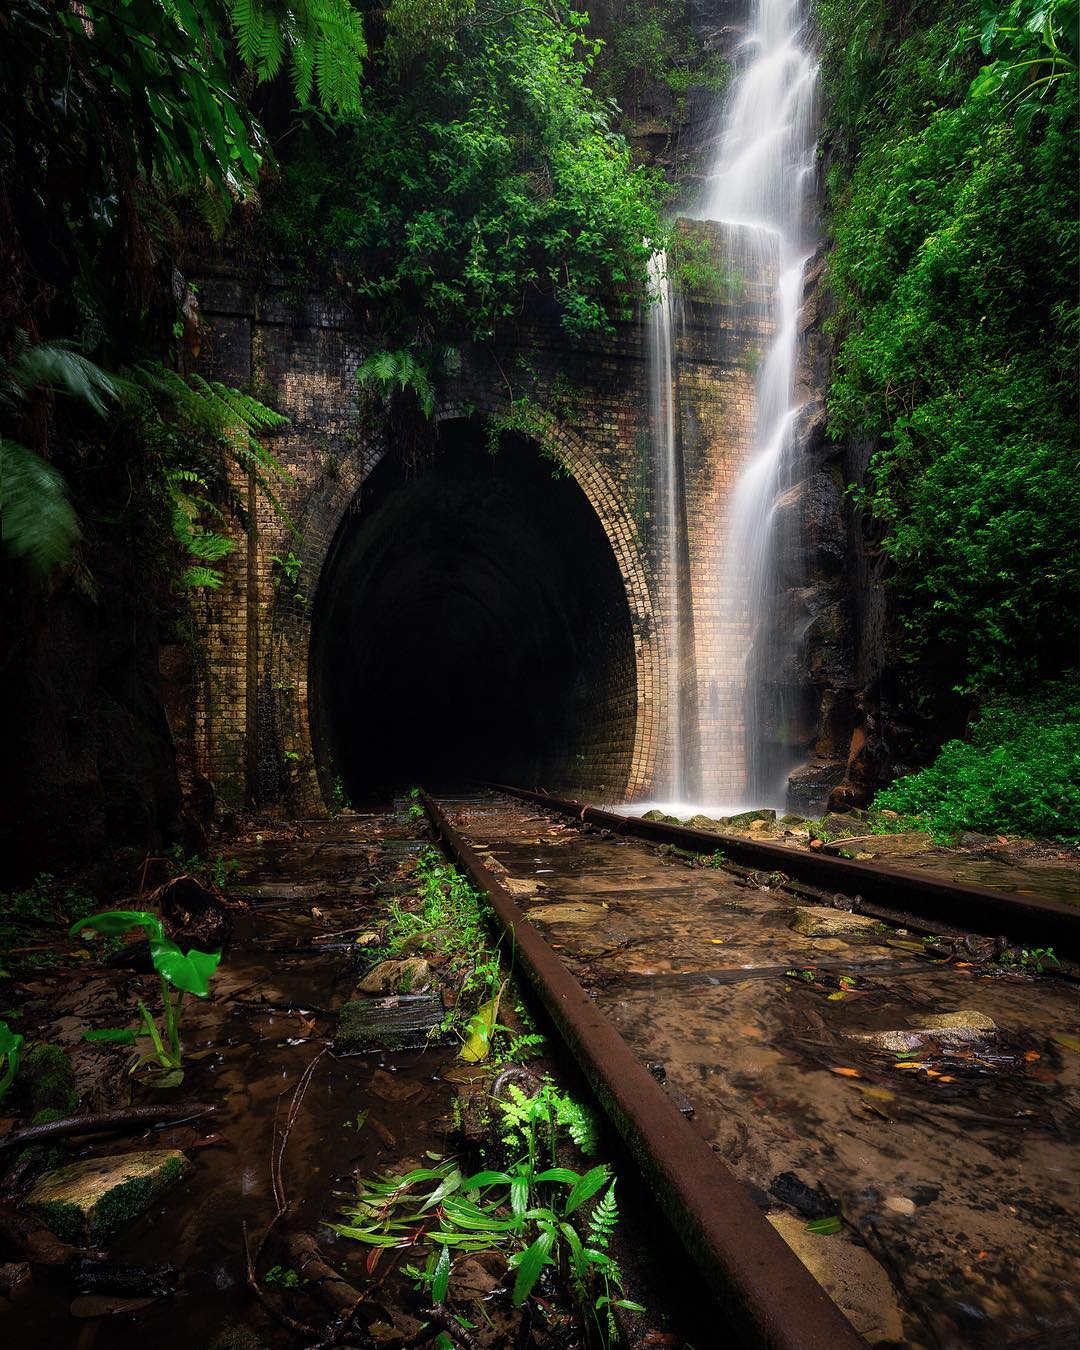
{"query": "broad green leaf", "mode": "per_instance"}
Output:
(115, 922)
(529, 1264)
(446, 1187)
(481, 1179)
(563, 1174)
(11, 1044)
(586, 1187)
(441, 1283)
(191, 973)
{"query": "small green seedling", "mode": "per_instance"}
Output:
(188, 974)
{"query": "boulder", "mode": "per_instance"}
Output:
(84, 1202)
(882, 845)
(821, 921)
(410, 976)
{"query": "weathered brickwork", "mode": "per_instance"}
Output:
(591, 401)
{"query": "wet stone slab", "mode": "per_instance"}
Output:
(397, 1022)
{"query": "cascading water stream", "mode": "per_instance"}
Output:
(666, 495)
(756, 191)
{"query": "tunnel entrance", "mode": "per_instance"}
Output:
(472, 623)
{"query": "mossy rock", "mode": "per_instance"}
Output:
(48, 1080)
(743, 820)
(85, 1202)
(237, 1336)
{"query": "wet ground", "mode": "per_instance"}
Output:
(248, 1046)
(953, 1162)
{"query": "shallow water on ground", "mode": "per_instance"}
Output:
(955, 1167)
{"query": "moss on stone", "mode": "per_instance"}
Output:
(91, 1199)
(236, 1336)
(48, 1079)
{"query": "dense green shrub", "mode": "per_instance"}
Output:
(953, 269)
(486, 170)
(1018, 773)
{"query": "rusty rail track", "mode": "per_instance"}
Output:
(768, 1296)
(919, 900)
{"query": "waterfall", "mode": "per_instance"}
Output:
(756, 190)
(666, 488)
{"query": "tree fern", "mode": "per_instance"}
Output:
(37, 523)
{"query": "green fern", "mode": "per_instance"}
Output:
(393, 372)
(37, 523)
(604, 1219)
(200, 578)
(56, 367)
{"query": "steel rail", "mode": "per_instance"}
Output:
(768, 1296)
(913, 895)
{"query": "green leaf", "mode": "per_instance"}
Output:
(191, 973)
(586, 1187)
(824, 1226)
(529, 1264)
(441, 1282)
(11, 1044)
(115, 922)
(110, 1036)
(481, 1179)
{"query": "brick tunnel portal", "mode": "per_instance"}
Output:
(471, 622)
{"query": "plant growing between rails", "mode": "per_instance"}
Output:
(187, 974)
(525, 1211)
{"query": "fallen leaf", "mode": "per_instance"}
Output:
(1066, 1041)
(825, 1226)
(846, 1073)
(879, 1094)
(1031, 1055)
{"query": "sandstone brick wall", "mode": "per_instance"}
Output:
(253, 724)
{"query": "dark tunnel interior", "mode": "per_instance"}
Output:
(471, 623)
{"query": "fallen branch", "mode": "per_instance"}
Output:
(101, 1122)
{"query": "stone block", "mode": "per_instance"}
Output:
(821, 921)
(85, 1202)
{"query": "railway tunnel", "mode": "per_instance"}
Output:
(471, 622)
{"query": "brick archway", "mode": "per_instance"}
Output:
(338, 493)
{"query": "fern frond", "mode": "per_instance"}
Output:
(198, 578)
(57, 366)
(37, 522)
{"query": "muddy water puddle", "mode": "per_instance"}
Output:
(950, 1153)
(248, 1047)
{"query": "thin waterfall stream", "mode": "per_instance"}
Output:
(756, 192)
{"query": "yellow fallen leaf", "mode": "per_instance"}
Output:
(717, 941)
(1067, 1042)
(879, 1094)
(846, 1073)
(479, 1032)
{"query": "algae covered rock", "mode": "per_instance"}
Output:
(85, 1202)
(411, 976)
(820, 921)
